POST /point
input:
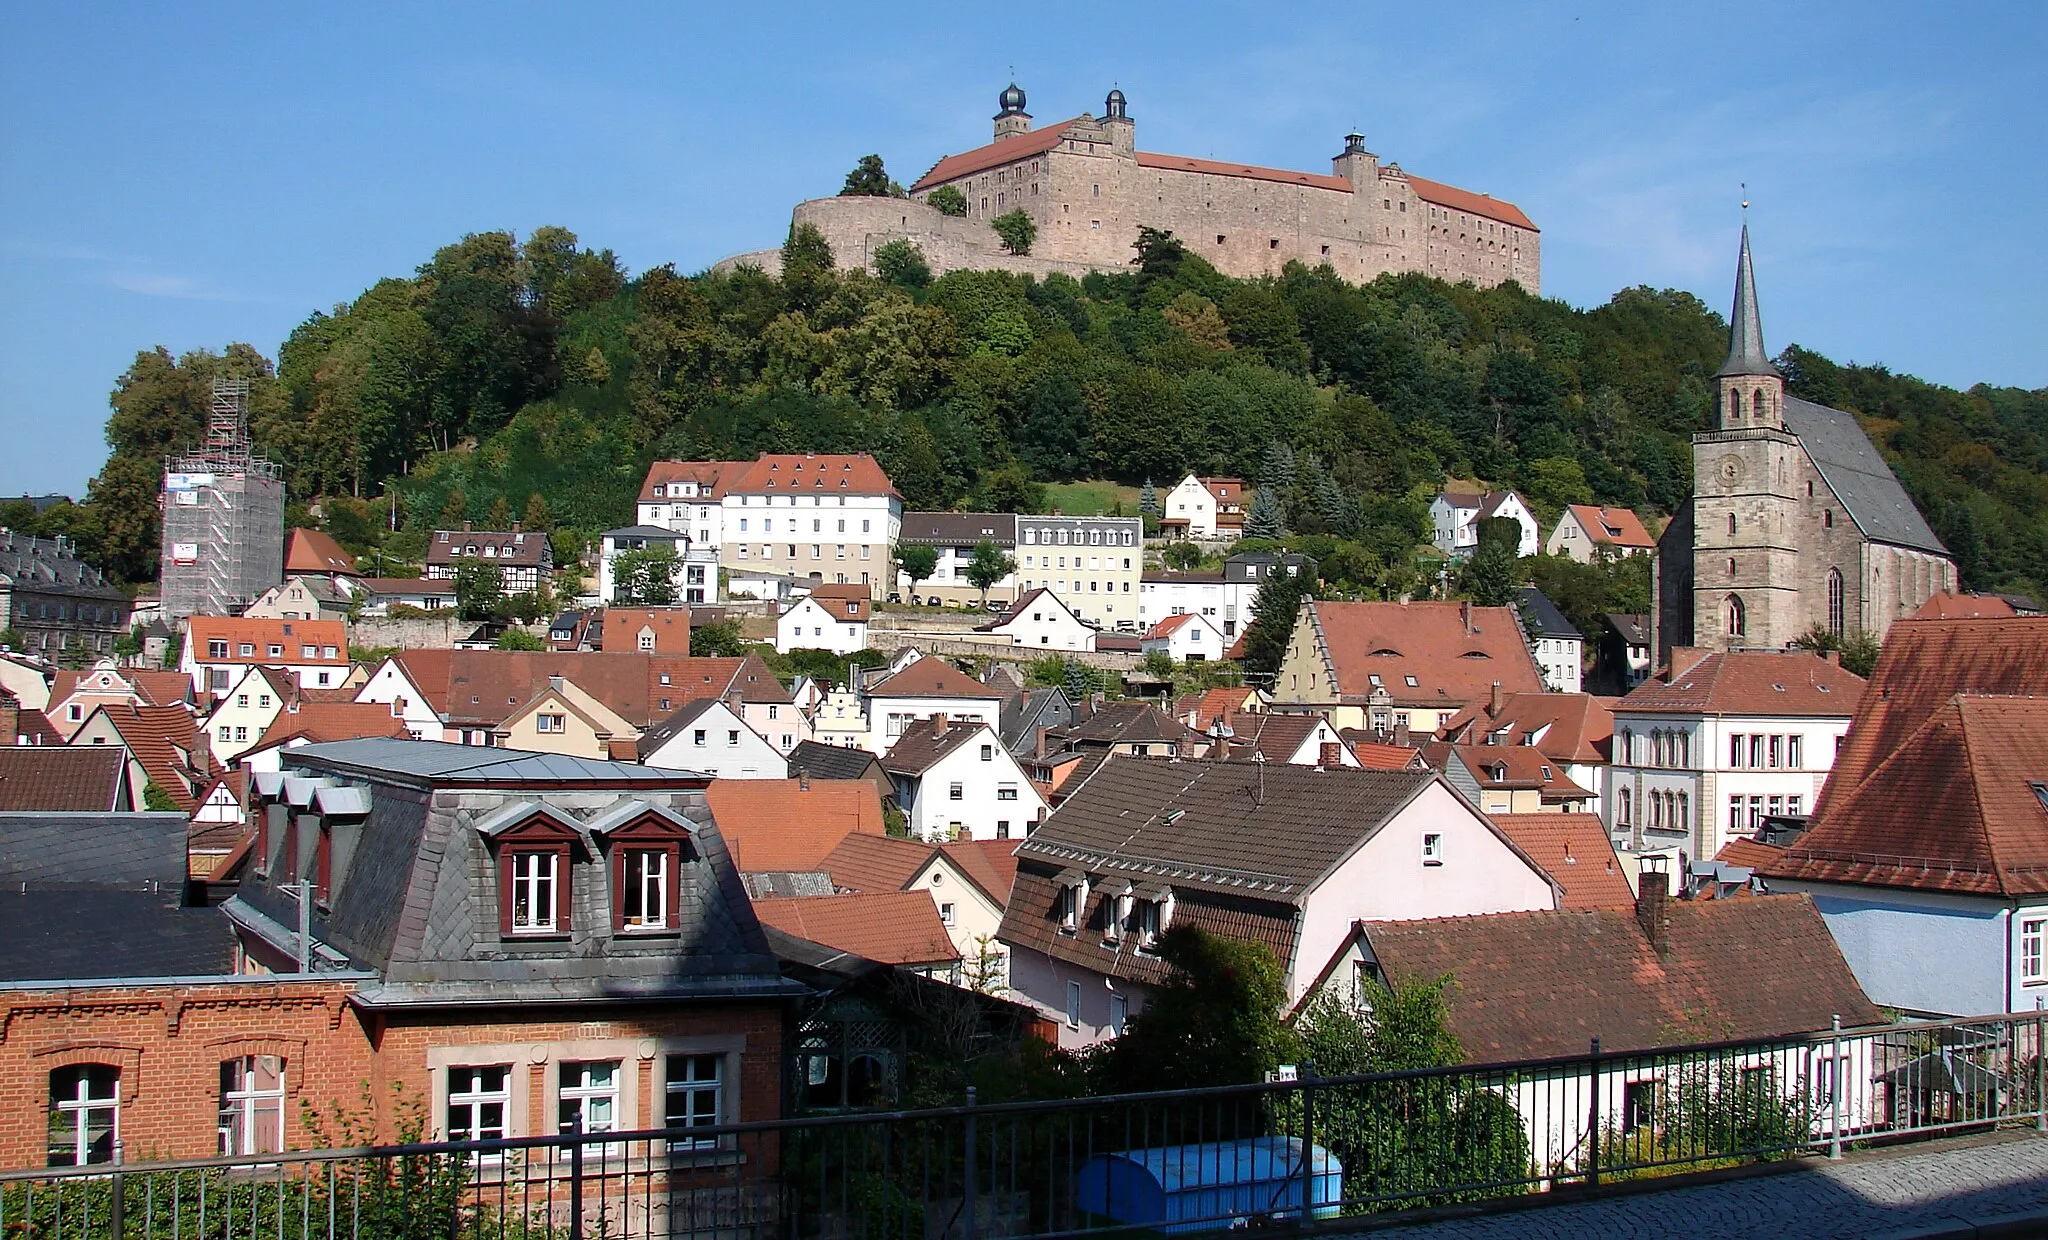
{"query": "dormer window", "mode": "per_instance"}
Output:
(1073, 898)
(539, 891)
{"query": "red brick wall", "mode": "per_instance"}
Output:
(169, 1043)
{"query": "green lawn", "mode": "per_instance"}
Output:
(1085, 499)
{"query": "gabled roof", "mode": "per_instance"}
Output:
(561, 691)
(1030, 598)
(960, 529)
(63, 779)
(1509, 766)
(1750, 682)
(878, 862)
(1964, 607)
(675, 725)
(1276, 737)
(897, 927)
(844, 610)
(1849, 463)
(1122, 723)
(1612, 527)
(990, 864)
(1199, 710)
(482, 687)
(1925, 663)
(1577, 852)
(1568, 727)
(1543, 617)
(923, 746)
(792, 824)
(822, 761)
(995, 154)
(520, 548)
(1745, 851)
(933, 677)
(821, 473)
(706, 474)
(313, 551)
(1174, 624)
(1465, 200)
(1455, 651)
(319, 721)
(1961, 805)
(620, 630)
(1374, 756)
(292, 635)
(1540, 984)
(1633, 627)
(167, 742)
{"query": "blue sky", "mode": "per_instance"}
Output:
(194, 174)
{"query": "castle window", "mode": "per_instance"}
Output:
(1219, 238)
(1809, 488)
(1738, 620)
(1835, 618)
(1731, 566)
(1734, 406)
(1274, 244)
(1756, 404)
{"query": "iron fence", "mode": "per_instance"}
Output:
(1185, 1160)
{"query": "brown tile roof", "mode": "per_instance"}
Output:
(933, 677)
(519, 548)
(1214, 167)
(1961, 805)
(845, 610)
(1121, 723)
(1465, 200)
(877, 862)
(706, 474)
(1031, 922)
(994, 155)
(1570, 727)
(1454, 651)
(836, 473)
(778, 824)
(922, 745)
(326, 720)
(1750, 682)
(484, 687)
(1531, 985)
(292, 635)
(1199, 710)
(992, 864)
(897, 927)
(1752, 853)
(1577, 852)
(671, 627)
(312, 551)
(1277, 737)
(1614, 527)
(59, 779)
(1963, 607)
(1924, 663)
(33, 726)
(167, 742)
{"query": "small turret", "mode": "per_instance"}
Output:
(1116, 119)
(1011, 118)
(1357, 165)
(1751, 389)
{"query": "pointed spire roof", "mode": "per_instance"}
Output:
(1746, 354)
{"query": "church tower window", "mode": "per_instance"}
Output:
(1756, 405)
(1835, 609)
(1731, 523)
(1738, 623)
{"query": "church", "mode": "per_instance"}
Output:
(1796, 523)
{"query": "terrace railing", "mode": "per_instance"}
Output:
(1184, 1160)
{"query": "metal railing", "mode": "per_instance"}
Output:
(1182, 1160)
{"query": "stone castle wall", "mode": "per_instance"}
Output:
(856, 227)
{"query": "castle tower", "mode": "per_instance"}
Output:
(1745, 571)
(1357, 165)
(1011, 118)
(1116, 118)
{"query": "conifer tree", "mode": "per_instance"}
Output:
(1264, 520)
(1276, 472)
(537, 513)
(501, 515)
(1148, 500)
(454, 510)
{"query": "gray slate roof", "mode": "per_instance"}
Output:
(821, 761)
(1858, 476)
(962, 529)
(1543, 617)
(1266, 830)
(471, 766)
(1746, 354)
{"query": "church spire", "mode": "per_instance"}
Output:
(1746, 354)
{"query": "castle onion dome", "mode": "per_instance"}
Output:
(1011, 100)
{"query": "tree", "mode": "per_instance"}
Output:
(1274, 610)
(1215, 1020)
(1016, 229)
(867, 180)
(721, 639)
(1859, 650)
(1148, 500)
(157, 801)
(1011, 489)
(1493, 575)
(918, 561)
(646, 576)
(500, 516)
(1263, 519)
(948, 200)
(479, 589)
(519, 639)
(537, 514)
(902, 263)
(1160, 253)
(989, 565)
(454, 510)
(1075, 680)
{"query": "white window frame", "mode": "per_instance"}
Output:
(692, 1099)
(650, 884)
(1073, 1005)
(246, 1108)
(78, 1111)
(472, 1098)
(2033, 959)
(585, 1094)
(1432, 848)
(536, 882)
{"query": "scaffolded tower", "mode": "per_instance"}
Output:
(223, 516)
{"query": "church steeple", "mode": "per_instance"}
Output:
(1752, 391)
(1746, 354)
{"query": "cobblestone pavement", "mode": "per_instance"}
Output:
(1867, 1194)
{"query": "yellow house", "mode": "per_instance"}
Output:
(1382, 666)
(563, 719)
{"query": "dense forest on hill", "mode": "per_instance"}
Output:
(501, 371)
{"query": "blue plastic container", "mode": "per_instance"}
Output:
(1180, 1188)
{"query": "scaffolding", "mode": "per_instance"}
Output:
(223, 539)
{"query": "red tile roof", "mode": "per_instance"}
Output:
(312, 551)
(167, 742)
(1171, 625)
(1960, 805)
(775, 825)
(57, 779)
(671, 627)
(1614, 527)
(877, 862)
(1219, 168)
(1465, 200)
(1530, 985)
(1454, 651)
(1750, 682)
(1963, 607)
(1199, 710)
(836, 473)
(1752, 853)
(486, 686)
(1924, 663)
(994, 155)
(1569, 727)
(992, 864)
(1510, 766)
(291, 636)
(1576, 850)
(897, 927)
(317, 720)
(1374, 756)
(706, 474)
(933, 677)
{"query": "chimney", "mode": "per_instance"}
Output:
(465, 525)
(1493, 704)
(1651, 914)
(1832, 656)
(1331, 755)
(1039, 746)
(10, 719)
(1686, 658)
(1221, 751)
(1465, 615)
(939, 724)
(1401, 735)
(803, 779)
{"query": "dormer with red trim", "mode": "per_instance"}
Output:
(648, 847)
(533, 849)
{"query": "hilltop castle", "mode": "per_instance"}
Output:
(1089, 189)
(1795, 523)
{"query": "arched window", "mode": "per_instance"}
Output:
(1738, 623)
(1835, 621)
(1621, 816)
(1734, 405)
(1626, 752)
(1756, 405)
(1731, 523)
(1684, 818)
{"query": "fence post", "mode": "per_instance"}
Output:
(1593, 1118)
(1308, 1145)
(969, 1185)
(576, 1177)
(2040, 1072)
(119, 1208)
(1837, 1076)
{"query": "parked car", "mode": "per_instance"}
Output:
(997, 608)
(895, 597)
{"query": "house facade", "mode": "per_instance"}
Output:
(824, 622)
(955, 781)
(219, 649)
(525, 557)
(925, 687)
(1041, 620)
(1093, 563)
(955, 535)
(1559, 647)
(1587, 532)
(1185, 638)
(812, 516)
(64, 609)
(1454, 518)
(709, 736)
(1383, 666)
